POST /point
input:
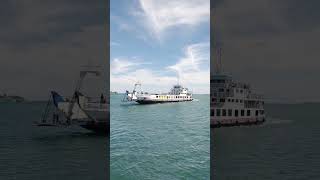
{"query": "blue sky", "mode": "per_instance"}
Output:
(157, 41)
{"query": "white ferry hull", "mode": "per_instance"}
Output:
(236, 122)
(177, 94)
(160, 101)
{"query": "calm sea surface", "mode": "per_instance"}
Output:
(160, 141)
(29, 152)
(287, 146)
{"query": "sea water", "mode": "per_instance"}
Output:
(286, 146)
(47, 153)
(160, 141)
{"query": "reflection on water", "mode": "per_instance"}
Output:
(160, 141)
(285, 147)
(30, 152)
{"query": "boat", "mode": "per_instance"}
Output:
(9, 98)
(113, 92)
(177, 94)
(233, 103)
(91, 113)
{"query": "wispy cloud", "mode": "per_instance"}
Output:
(160, 15)
(195, 56)
(193, 70)
(112, 43)
(122, 65)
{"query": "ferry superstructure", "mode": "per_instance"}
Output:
(177, 94)
(234, 103)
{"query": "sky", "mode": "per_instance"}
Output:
(271, 44)
(157, 42)
(44, 43)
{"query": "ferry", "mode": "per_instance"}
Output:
(233, 103)
(177, 94)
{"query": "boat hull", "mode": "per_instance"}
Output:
(101, 127)
(236, 122)
(157, 102)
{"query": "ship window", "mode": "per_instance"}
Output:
(232, 100)
(228, 100)
(224, 112)
(236, 113)
(242, 112)
(257, 112)
(237, 100)
(240, 101)
(241, 91)
(248, 112)
(214, 99)
(156, 96)
(212, 112)
(222, 100)
(229, 112)
(218, 112)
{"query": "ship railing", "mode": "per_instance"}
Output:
(222, 94)
(254, 96)
(216, 104)
(240, 85)
(219, 85)
(256, 106)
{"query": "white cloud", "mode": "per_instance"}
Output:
(195, 56)
(114, 43)
(160, 15)
(193, 69)
(120, 65)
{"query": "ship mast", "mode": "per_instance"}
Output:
(216, 45)
(218, 64)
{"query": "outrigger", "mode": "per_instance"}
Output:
(87, 112)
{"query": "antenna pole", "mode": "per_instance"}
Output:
(219, 63)
(220, 60)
